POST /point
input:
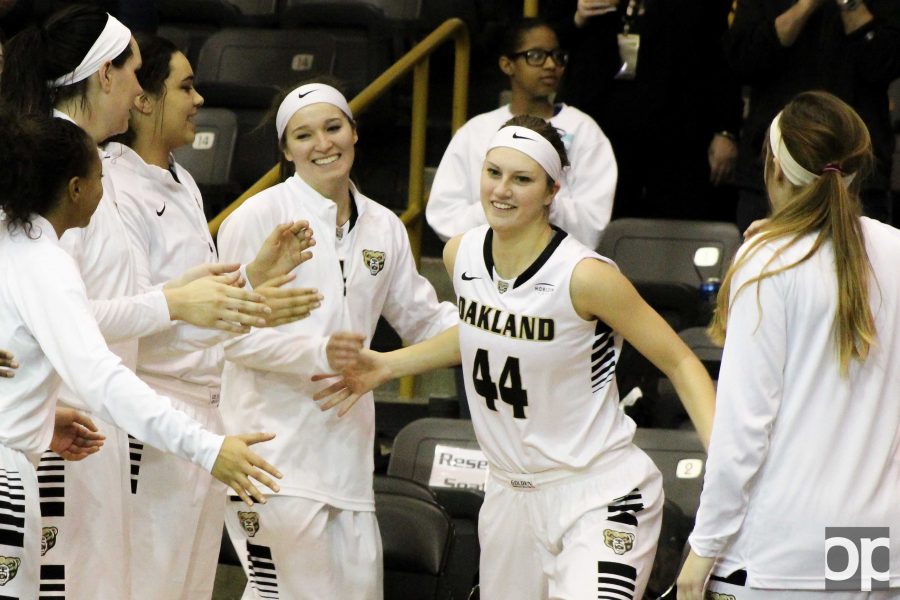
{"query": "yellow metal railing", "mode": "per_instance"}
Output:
(530, 9)
(417, 61)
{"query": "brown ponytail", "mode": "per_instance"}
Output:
(826, 136)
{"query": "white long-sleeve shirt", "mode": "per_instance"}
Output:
(582, 206)
(795, 446)
(266, 381)
(103, 254)
(167, 229)
(47, 322)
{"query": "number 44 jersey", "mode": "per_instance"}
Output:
(540, 380)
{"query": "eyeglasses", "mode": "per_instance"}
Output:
(536, 57)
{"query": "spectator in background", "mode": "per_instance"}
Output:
(850, 48)
(653, 75)
(534, 62)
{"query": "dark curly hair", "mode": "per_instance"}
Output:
(39, 154)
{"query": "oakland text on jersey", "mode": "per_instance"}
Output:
(504, 323)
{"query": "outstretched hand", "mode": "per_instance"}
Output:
(236, 464)
(75, 436)
(288, 304)
(7, 364)
(217, 302)
(284, 250)
(365, 374)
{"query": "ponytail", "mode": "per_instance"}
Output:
(827, 137)
(39, 55)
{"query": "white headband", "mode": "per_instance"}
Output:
(795, 173)
(311, 93)
(113, 40)
(531, 143)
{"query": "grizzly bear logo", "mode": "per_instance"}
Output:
(249, 522)
(48, 538)
(9, 566)
(374, 260)
(619, 541)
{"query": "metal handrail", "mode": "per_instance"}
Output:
(530, 9)
(415, 60)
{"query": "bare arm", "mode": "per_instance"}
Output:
(600, 291)
(790, 23)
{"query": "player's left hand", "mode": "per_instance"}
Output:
(284, 250)
(7, 364)
(367, 373)
(722, 154)
(693, 577)
(75, 436)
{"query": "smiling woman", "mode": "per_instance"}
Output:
(162, 210)
(542, 322)
(320, 535)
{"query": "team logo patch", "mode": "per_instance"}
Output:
(249, 521)
(9, 566)
(502, 286)
(718, 596)
(374, 260)
(48, 539)
(619, 541)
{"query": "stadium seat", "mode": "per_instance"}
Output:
(412, 458)
(681, 459)
(245, 68)
(299, 12)
(209, 158)
(414, 447)
(417, 536)
(667, 261)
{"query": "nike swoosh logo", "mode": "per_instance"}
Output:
(467, 277)
(516, 136)
(161, 211)
(306, 94)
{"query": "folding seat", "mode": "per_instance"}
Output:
(417, 537)
(681, 459)
(668, 261)
(412, 457)
(209, 158)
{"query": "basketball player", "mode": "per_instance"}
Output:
(318, 538)
(572, 507)
(806, 432)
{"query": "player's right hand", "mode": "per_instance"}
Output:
(237, 464)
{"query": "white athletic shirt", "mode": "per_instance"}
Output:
(46, 321)
(585, 199)
(266, 382)
(102, 252)
(527, 343)
(167, 228)
(796, 447)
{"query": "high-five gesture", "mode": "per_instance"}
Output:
(237, 464)
(283, 251)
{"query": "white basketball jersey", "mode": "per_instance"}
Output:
(540, 380)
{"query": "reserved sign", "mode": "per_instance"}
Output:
(458, 468)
